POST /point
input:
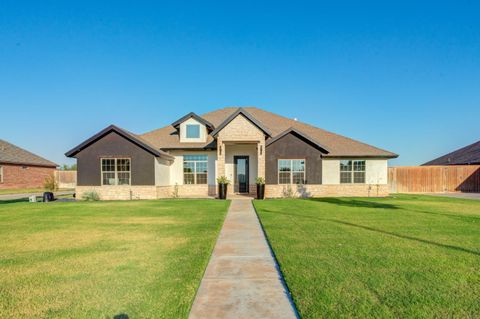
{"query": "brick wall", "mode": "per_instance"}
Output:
(23, 176)
(340, 190)
(119, 192)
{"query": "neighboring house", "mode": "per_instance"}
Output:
(468, 155)
(242, 144)
(21, 169)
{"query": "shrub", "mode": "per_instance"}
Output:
(90, 196)
(50, 184)
(260, 181)
(223, 180)
(288, 192)
(175, 191)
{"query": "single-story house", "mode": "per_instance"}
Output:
(241, 144)
(20, 168)
(468, 155)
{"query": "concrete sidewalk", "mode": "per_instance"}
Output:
(242, 279)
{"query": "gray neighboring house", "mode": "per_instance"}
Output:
(240, 143)
(468, 155)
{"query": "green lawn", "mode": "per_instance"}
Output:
(402, 257)
(144, 259)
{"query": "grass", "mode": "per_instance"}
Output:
(399, 257)
(25, 190)
(143, 259)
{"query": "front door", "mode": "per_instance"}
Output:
(241, 174)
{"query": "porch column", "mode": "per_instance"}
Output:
(220, 158)
(261, 158)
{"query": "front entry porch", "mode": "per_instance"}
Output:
(241, 162)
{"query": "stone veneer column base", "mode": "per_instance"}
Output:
(340, 190)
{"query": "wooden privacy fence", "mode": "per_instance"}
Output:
(434, 179)
(66, 179)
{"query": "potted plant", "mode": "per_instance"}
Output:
(222, 187)
(260, 181)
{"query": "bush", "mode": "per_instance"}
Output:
(223, 180)
(50, 184)
(90, 196)
(175, 191)
(260, 181)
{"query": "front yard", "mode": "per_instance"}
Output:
(143, 259)
(405, 256)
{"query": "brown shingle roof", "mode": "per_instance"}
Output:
(467, 155)
(338, 145)
(13, 154)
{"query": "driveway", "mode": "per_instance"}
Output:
(27, 195)
(458, 195)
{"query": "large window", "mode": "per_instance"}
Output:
(193, 131)
(291, 171)
(195, 169)
(352, 172)
(116, 171)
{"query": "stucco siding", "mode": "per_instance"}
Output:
(183, 132)
(176, 169)
(162, 172)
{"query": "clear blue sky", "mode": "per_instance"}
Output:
(404, 76)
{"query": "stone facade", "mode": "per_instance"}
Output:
(343, 190)
(119, 192)
(24, 176)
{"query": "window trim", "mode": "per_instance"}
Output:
(1, 174)
(116, 171)
(194, 173)
(291, 170)
(186, 131)
(353, 171)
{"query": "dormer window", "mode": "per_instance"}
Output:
(193, 130)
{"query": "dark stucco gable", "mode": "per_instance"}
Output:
(293, 145)
(114, 145)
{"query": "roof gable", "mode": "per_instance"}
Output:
(13, 154)
(125, 134)
(177, 123)
(248, 116)
(300, 135)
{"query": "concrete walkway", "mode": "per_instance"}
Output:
(242, 279)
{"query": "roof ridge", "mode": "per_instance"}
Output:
(47, 162)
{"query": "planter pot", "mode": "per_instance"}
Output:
(260, 191)
(222, 191)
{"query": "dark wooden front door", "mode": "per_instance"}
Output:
(241, 173)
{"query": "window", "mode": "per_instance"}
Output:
(1, 174)
(115, 171)
(193, 131)
(291, 171)
(352, 172)
(195, 169)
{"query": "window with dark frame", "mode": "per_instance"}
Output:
(193, 131)
(352, 171)
(195, 169)
(116, 171)
(291, 171)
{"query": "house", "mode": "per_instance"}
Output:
(20, 168)
(242, 144)
(468, 155)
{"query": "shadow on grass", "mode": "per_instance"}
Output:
(381, 231)
(12, 201)
(352, 202)
(121, 316)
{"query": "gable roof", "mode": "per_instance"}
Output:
(137, 140)
(303, 136)
(248, 116)
(339, 146)
(469, 154)
(13, 154)
(196, 117)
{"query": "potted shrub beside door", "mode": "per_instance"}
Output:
(260, 181)
(222, 187)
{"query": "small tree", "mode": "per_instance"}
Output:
(50, 183)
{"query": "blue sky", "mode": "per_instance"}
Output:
(402, 76)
